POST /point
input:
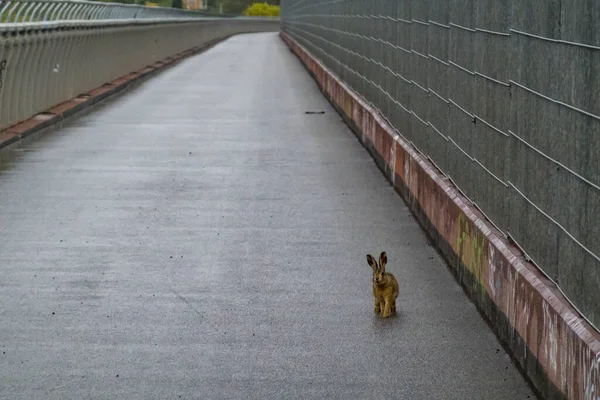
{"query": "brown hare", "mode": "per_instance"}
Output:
(385, 286)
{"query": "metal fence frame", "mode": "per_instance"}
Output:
(503, 96)
(15, 11)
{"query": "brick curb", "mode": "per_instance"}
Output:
(14, 135)
(557, 350)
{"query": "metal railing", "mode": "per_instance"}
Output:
(43, 64)
(502, 97)
(52, 10)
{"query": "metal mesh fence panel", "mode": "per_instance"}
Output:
(502, 95)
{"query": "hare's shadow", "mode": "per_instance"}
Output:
(394, 321)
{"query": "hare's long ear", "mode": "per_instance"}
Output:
(371, 261)
(382, 260)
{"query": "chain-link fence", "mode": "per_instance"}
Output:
(503, 96)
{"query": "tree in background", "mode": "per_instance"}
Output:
(177, 4)
(262, 10)
(235, 6)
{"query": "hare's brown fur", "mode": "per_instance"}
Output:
(385, 286)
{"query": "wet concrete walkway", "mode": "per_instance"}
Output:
(201, 237)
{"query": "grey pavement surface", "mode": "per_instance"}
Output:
(201, 237)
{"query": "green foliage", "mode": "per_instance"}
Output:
(262, 10)
(236, 6)
(10, 14)
(177, 4)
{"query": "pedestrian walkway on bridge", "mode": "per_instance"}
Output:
(203, 237)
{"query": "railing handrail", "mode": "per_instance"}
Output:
(61, 24)
(20, 11)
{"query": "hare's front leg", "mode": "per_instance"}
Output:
(386, 308)
(377, 306)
